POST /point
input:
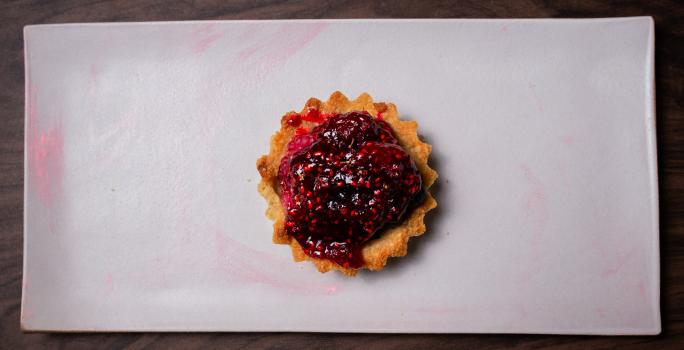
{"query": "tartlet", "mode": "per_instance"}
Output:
(304, 143)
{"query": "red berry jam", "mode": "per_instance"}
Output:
(342, 182)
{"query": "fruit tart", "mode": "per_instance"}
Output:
(347, 183)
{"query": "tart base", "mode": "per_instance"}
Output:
(391, 241)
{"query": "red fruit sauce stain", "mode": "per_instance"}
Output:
(314, 115)
(294, 120)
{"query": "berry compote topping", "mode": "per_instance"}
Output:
(342, 182)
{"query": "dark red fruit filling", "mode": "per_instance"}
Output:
(342, 182)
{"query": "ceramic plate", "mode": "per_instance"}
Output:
(141, 209)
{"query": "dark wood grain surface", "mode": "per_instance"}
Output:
(669, 20)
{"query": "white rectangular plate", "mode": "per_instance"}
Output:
(141, 209)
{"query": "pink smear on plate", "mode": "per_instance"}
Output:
(109, 283)
(293, 39)
(247, 53)
(45, 154)
(536, 211)
(642, 290)
(93, 75)
(568, 140)
(205, 37)
(251, 265)
(601, 312)
(535, 97)
(535, 201)
(282, 45)
(616, 262)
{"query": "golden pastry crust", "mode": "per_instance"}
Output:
(389, 242)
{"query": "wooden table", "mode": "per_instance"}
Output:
(669, 19)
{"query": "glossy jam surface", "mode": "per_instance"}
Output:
(342, 182)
